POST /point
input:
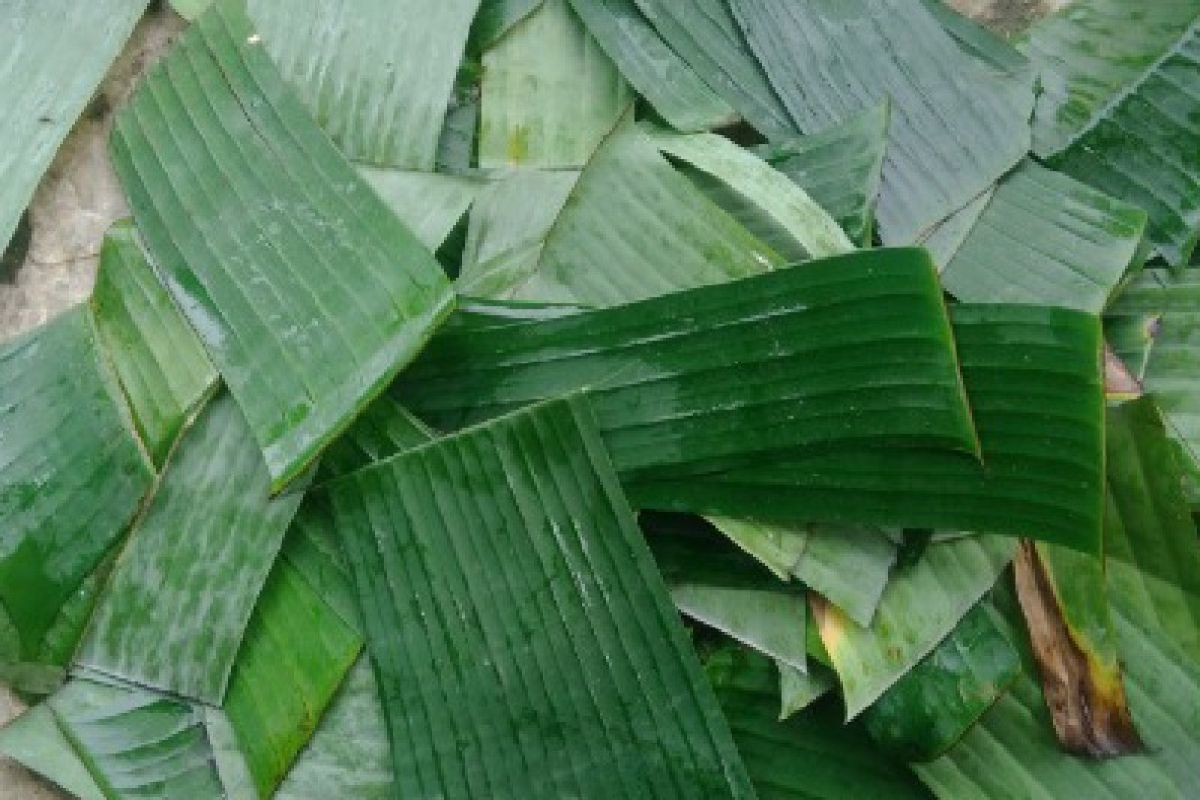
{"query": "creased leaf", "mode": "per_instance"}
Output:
(308, 293)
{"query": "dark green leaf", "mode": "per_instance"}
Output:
(496, 18)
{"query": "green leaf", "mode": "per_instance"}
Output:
(847, 567)
(844, 351)
(1046, 239)
(1116, 110)
(920, 607)
(549, 93)
(798, 690)
(72, 475)
(175, 610)
(1033, 377)
(430, 204)
(236, 193)
(928, 710)
(137, 743)
(296, 652)
(944, 239)
(956, 126)
(496, 18)
(776, 547)
(565, 669)
(675, 91)
(705, 34)
(161, 364)
(841, 167)
(55, 54)
(35, 740)
(810, 231)
(383, 429)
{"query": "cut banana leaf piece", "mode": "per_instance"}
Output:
(919, 608)
(55, 54)
(944, 239)
(1046, 239)
(348, 756)
(956, 125)
(776, 547)
(701, 379)
(72, 477)
(705, 34)
(926, 712)
(174, 613)
(495, 18)
(672, 87)
(568, 657)
(430, 204)
(1117, 110)
(549, 93)
(296, 652)
(236, 192)
(1034, 381)
(35, 740)
(811, 232)
(161, 364)
(798, 690)
(848, 567)
(841, 167)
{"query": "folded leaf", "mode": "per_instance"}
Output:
(55, 53)
(1046, 239)
(37, 743)
(549, 93)
(161, 364)
(237, 194)
(514, 618)
(850, 350)
(175, 610)
(1117, 111)
(847, 567)
(956, 126)
(72, 475)
(920, 607)
(430, 204)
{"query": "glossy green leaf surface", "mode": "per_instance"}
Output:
(55, 54)
(722, 374)
(237, 192)
(206, 542)
(137, 743)
(652, 68)
(161, 364)
(532, 609)
(72, 475)
(429, 203)
(705, 34)
(577, 93)
(848, 567)
(1033, 378)
(841, 167)
(928, 710)
(37, 743)
(295, 654)
(956, 126)
(1117, 111)
(1046, 239)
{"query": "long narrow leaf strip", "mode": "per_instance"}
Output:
(1033, 377)
(296, 652)
(161, 364)
(675, 91)
(705, 34)
(1118, 111)
(137, 743)
(578, 94)
(841, 167)
(55, 53)
(72, 475)
(956, 126)
(524, 644)
(919, 608)
(1046, 239)
(723, 374)
(308, 293)
(36, 742)
(175, 611)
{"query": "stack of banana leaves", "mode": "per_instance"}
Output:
(612, 399)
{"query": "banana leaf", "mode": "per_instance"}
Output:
(35, 741)
(236, 192)
(496, 18)
(776, 547)
(532, 629)
(429, 203)
(799, 690)
(55, 54)
(847, 567)
(72, 477)
(1117, 110)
